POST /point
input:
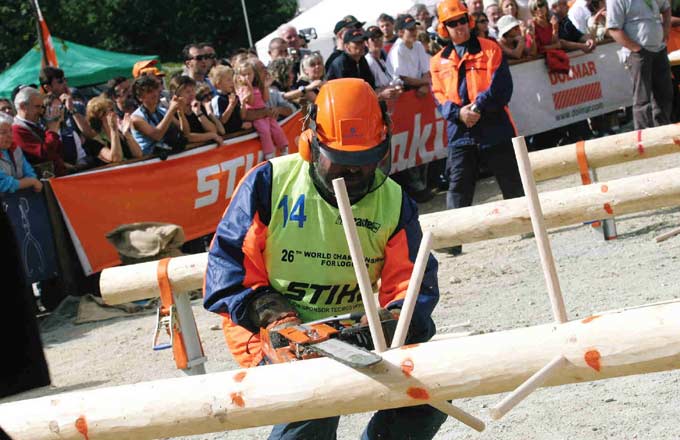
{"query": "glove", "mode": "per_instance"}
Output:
(268, 307)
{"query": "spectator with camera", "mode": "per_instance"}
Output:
(111, 144)
(349, 22)
(386, 87)
(15, 171)
(351, 62)
(42, 147)
(154, 127)
(119, 90)
(75, 127)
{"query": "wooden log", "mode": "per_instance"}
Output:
(560, 208)
(540, 232)
(139, 281)
(609, 150)
(465, 225)
(637, 341)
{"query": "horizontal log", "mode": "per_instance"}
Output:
(637, 341)
(139, 281)
(560, 208)
(451, 227)
(609, 150)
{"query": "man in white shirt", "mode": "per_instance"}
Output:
(375, 56)
(579, 13)
(408, 59)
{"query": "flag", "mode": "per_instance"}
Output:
(49, 57)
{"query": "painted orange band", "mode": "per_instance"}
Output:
(179, 350)
(582, 162)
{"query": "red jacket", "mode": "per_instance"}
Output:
(37, 149)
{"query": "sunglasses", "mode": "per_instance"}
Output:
(60, 80)
(453, 23)
(482, 21)
(203, 57)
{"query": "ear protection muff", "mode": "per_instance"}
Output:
(441, 31)
(308, 139)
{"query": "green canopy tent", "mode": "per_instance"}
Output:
(82, 65)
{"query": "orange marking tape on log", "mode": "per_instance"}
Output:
(418, 393)
(604, 188)
(179, 351)
(608, 208)
(409, 346)
(407, 367)
(238, 377)
(641, 149)
(81, 426)
(592, 358)
(582, 162)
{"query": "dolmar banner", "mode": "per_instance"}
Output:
(192, 189)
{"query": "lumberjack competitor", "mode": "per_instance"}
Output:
(280, 258)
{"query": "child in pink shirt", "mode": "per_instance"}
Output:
(253, 95)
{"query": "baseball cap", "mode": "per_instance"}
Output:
(406, 22)
(146, 67)
(347, 21)
(506, 23)
(355, 35)
(374, 32)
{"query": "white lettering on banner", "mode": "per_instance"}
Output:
(212, 186)
(403, 159)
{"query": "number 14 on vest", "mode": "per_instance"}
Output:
(294, 214)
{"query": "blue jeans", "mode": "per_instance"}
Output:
(411, 423)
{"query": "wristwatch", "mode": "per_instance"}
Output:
(200, 114)
(475, 109)
(302, 89)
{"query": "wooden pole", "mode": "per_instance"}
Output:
(528, 387)
(412, 291)
(466, 225)
(350, 228)
(667, 235)
(541, 233)
(609, 150)
(405, 320)
(637, 341)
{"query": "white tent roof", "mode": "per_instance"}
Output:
(324, 15)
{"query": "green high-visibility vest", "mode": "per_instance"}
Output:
(306, 253)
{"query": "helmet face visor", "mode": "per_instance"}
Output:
(363, 171)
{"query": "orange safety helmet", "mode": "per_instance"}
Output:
(448, 10)
(347, 124)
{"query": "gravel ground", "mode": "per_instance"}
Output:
(496, 285)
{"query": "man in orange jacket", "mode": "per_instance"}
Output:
(472, 86)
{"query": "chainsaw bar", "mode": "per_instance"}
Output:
(350, 355)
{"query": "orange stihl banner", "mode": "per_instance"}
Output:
(192, 189)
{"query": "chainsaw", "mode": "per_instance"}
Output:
(341, 338)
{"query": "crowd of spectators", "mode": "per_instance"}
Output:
(212, 98)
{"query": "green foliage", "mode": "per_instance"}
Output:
(141, 26)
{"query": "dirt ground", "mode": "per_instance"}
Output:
(496, 285)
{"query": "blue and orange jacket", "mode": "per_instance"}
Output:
(482, 76)
(237, 265)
